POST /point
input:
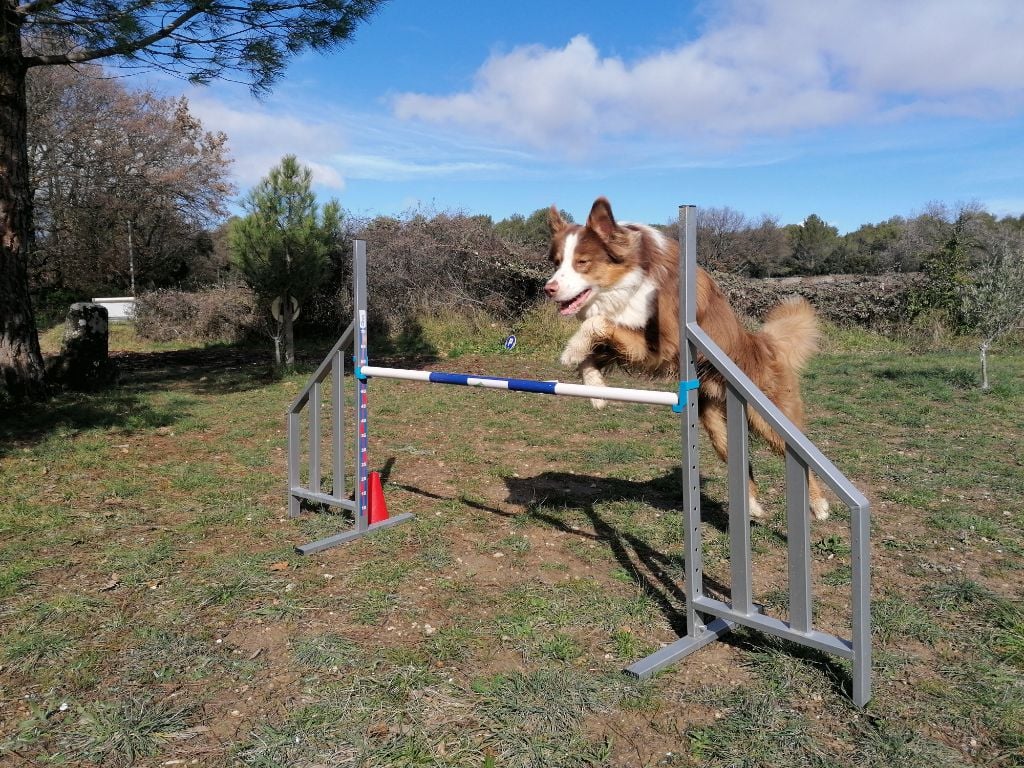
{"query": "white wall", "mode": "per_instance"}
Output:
(119, 308)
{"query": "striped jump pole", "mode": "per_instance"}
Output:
(620, 394)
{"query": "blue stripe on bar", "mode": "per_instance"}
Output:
(528, 385)
(515, 385)
(449, 378)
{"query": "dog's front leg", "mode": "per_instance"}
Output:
(582, 343)
(592, 377)
(579, 352)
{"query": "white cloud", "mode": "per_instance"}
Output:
(325, 175)
(391, 168)
(759, 68)
(338, 145)
(259, 136)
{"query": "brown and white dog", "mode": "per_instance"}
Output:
(621, 280)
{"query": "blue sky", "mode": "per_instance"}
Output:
(856, 111)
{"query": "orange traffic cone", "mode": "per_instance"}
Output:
(378, 509)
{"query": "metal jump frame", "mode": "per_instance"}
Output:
(801, 457)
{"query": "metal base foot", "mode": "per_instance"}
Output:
(684, 646)
(341, 538)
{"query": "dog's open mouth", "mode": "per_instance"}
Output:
(572, 306)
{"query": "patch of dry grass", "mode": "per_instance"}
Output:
(154, 609)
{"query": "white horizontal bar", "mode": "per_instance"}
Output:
(620, 394)
(394, 373)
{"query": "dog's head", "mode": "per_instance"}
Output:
(588, 258)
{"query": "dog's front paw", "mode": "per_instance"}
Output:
(573, 355)
(598, 403)
(590, 332)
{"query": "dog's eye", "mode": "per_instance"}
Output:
(582, 262)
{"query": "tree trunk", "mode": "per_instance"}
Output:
(289, 335)
(21, 362)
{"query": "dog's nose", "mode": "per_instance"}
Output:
(551, 288)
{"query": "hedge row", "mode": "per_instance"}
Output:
(878, 302)
(216, 314)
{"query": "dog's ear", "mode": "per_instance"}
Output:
(555, 219)
(601, 219)
(618, 241)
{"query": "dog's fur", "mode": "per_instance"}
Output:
(622, 281)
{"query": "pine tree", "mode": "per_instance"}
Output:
(813, 245)
(281, 245)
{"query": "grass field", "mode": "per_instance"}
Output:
(154, 612)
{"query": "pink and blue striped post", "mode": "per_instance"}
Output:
(362, 407)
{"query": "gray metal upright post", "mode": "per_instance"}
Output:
(698, 634)
(335, 362)
(688, 429)
(294, 433)
(798, 537)
(860, 526)
(739, 500)
(338, 423)
(315, 420)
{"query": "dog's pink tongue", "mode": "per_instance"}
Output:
(572, 307)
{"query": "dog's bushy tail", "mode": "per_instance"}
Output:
(792, 329)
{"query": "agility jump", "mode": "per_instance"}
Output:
(801, 457)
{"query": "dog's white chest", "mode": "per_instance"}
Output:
(629, 303)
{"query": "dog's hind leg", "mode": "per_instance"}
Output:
(712, 416)
(818, 502)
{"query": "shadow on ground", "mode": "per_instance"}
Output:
(657, 573)
(126, 404)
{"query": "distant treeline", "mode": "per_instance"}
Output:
(430, 263)
(729, 241)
